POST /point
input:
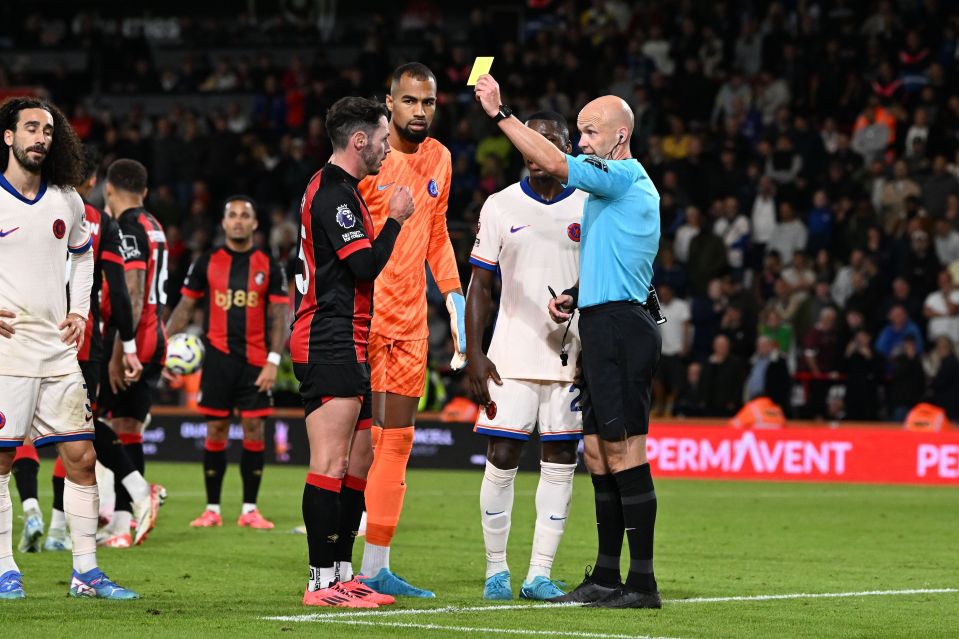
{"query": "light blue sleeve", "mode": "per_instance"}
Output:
(609, 179)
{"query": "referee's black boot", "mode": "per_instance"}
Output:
(587, 592)
(626, 597)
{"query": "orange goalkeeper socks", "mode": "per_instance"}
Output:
(386, 484)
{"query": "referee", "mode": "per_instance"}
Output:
(620, 342)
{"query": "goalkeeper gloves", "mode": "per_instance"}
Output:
(456, 305)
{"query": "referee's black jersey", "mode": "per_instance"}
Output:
(332, 312)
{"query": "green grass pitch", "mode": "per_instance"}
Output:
(713, 540)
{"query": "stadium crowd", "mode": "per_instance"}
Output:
(806, 153)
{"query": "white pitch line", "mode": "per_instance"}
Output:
(817, 595)
(501, 631)
(458, 609)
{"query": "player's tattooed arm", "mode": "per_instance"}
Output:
(278, 329)
(479, 368)
(181, 316)
(136, 283)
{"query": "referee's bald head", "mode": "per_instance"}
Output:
(605, 126)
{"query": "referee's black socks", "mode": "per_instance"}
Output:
(639, 515)
(609, 528)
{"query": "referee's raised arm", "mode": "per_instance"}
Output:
(605, 126)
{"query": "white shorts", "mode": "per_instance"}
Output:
(519, 405)
(44, 410)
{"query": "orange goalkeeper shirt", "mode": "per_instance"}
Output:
(399, 297)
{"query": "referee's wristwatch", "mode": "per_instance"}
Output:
(504, 112)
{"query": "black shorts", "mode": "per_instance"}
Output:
(320, 383)
(620, 350)
(91, 377)
(229, 383)
(134, 402)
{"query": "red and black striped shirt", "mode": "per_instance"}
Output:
(238, 288)
(143, 247)
(333, 310)
(106, 247)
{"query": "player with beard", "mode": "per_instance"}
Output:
(398, 337)
(42, 392)
(108, 267)
(334, 304)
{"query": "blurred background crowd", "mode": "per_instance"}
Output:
(806, 153)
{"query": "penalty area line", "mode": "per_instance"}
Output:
(695, 600)
(468, 629)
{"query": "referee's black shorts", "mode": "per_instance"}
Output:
(620, 351)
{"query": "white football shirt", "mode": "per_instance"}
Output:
(35, 237)
(534, 244)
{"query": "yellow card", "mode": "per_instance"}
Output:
(481, 65)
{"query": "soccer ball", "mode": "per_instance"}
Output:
(184, 353)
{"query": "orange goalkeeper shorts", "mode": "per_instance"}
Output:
(397, 366)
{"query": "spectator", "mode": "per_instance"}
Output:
(897, 331)
(863, 371)
(741, 337)
(842, 283)
(892, 201)
(821, 359)
(733, 228)
(947, 242)
(676, 143)
(789, 235)
(721, 387)
(769, 376)
(686, 232)
(908, 380)
(677, 335)
(707, 259)
(902, 295)
(941, 308)
(945, 378)
(800, 277)
(706, 314)
(775, 329)
(689, 402)
(920, 266)
(667, 271)
(764, 283)
(819, 223)
(937, 188)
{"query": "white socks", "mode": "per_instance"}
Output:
(552, 508)
(119, 525)
(496, 506)
(57, 519)
(137, 487)
(248, 508)
(321, 578)
(375, 558)
(82, 505)
(6, 527)
(30, 504)
(213, 508)
(344, 571)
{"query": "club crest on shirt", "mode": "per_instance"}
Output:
(259, 278)
(491, 410)
(345, 217)
(573, 231)
(3, 420)
(432, 188)
(59, 229)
